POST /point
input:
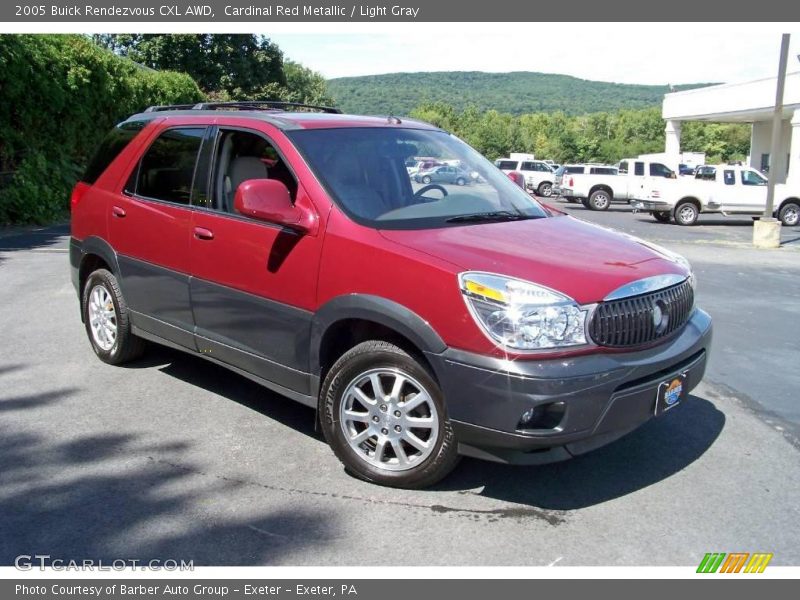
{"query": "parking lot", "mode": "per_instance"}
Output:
(173, 457)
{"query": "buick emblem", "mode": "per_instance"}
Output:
(660, 316)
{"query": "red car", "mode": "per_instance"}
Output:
(423, 322)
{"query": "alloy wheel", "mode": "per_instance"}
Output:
(102, 318)
(389, 420)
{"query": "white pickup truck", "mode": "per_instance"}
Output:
(538, 174)
(598, 191)
(721, 189)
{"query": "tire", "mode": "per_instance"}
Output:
(349, 390)
(585, 202)
(599, 200)
(461, 181)
(107, 320)
(571, 200)
(662, 216)
(426, 179)
(686, 213)
(790, 214)
(545, 189)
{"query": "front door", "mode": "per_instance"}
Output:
(253, 283)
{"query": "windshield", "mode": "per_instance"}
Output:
(364, 170)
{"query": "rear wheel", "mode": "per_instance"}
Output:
(384, 416)
(790, 214)
(461, 181)
(662, 216)
(545, 189)
(599, 200)
(426, 179)
(686, 213)
(107, 320)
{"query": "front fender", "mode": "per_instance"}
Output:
(379, 310)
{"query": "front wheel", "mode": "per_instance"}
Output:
(790, 214)
(426, 179)
(686, 213)
(461, 181)
(662, 216)
(107, 320)
(384, 416)
(599, 200)
(545, 189)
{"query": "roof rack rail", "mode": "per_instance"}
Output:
(158, 108)
(246, 105)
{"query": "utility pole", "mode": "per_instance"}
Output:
(766, 231)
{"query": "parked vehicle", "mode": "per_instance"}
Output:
(421, 324)
(559, 186)
(686, 170)
(444, 174)
(538, 174)
(597, 192)
(722, 189)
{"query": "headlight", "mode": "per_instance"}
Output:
(521, 315)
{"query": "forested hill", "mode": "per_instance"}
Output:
(514, 93)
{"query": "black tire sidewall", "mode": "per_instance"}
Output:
(545, 190)
(347, 368)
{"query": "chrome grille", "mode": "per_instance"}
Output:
(630, 321)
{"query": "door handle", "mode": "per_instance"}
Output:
(118, 212)
(201, 233)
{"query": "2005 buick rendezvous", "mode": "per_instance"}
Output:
(423, 321)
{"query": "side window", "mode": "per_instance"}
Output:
(729, 177)
(528, 166)
(243, 155)
(659, 170)
(167, 169)
(638, 168)
(752, 178)
(623, 167)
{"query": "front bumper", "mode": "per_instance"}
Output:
(605, 395)
(651, 205)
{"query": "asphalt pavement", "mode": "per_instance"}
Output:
(172, 457)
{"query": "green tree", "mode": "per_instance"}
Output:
(225, 66)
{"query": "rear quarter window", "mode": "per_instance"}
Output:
(507, 165)
(111, 146)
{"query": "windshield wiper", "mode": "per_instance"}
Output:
(497, 215)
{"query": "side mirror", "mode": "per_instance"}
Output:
(269, 200)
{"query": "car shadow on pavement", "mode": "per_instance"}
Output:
(659, 449)
(114, 496)
(199, 372)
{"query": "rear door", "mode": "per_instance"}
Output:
(149, 228)
(253, 284)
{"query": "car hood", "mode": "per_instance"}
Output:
(584, 261)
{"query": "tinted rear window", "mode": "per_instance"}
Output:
(507, 164)
(603, 171)
(167, 170)
(114, 143)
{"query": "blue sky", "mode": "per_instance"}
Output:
(626, 53)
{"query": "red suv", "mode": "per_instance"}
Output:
(423, 322)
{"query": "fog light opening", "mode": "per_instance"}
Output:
(543, 416)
